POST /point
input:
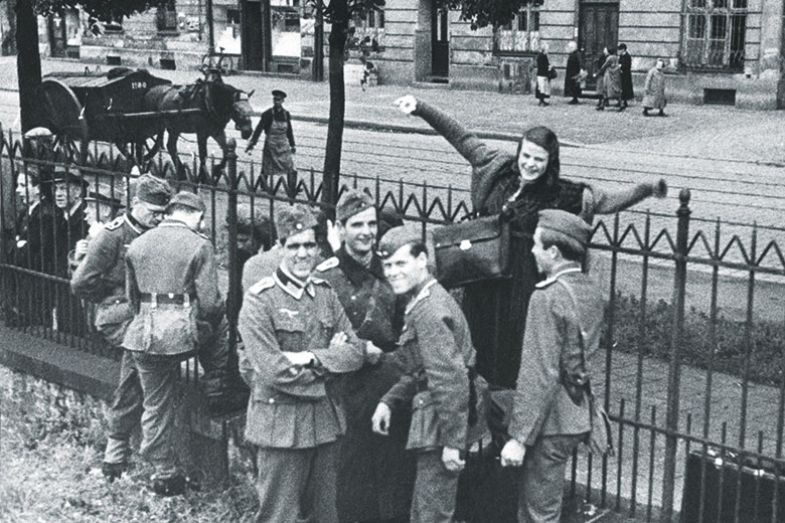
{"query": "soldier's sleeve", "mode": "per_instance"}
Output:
(538, 377)
(211, 305)
(262, 351)
(401, 394)
(348, 356)
(448, 380)
(88, 279)
(131, 287)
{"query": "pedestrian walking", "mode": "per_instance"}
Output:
(572, 74)
(172, 288)
(625, 69)
(610, 87)
(296, 336)
(654, 90)
(276, 122)
(100, 279)
(375, 473)
(440, 383)
(543, 75)
(551, 412)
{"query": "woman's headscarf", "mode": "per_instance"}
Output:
(546, 139)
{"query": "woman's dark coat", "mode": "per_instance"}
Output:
(625, 62)
(572, 87)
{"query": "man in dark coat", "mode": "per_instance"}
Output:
(625, 63)
(375, 473)
(276, 122)
(572, 82)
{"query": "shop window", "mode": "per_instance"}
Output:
(166, 18)
(521, 35)
(715, 34)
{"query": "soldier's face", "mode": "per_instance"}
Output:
(299, 255)
(359, 232)
(404, 271)
(245, 243)
(148, 215)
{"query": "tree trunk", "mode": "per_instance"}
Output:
(332, 154)
(28, 62)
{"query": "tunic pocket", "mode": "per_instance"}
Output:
(424, 427)
(290, 331)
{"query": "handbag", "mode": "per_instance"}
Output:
(472, 250)
(552, 74)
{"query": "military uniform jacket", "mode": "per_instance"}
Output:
(551, 346)
(175, 261)
(437, 352)
(100, 277)
(292, 406)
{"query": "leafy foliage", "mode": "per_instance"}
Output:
(342, 11)
(98, 8)
(481, 13)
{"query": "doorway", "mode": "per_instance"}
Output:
(253, 41)
(599, 28)
(440, 43)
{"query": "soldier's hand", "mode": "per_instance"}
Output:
(372, 353)
(339, 339)
(381, 419)
(513, 454)
(299, 358)
(333, 236)
(80, 249)
(452, 459)
(406, 104)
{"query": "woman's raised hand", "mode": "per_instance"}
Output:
(407, 104)
(660, 188)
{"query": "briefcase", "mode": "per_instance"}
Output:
(472, 251)
(728, 489)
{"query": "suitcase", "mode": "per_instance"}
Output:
(758, 488)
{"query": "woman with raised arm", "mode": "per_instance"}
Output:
(526, 182)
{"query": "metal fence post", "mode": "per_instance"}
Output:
(674, 367)
(234, 295)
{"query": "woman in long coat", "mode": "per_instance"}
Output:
(572, 84)
(543, 78)
(526, 182)
(625, 63)
(611, 79)
(654, 90)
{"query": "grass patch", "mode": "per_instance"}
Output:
(728, 351)
(51, 445)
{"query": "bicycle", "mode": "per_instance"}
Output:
(220, 61)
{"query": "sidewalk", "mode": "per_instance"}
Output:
(703, 131)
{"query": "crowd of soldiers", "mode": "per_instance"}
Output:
(365, 384)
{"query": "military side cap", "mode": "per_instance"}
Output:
(352, 202)
(279, 93)
(153, 191)
(397, 237)
(293, 219)
(565, 226)
(188, 199)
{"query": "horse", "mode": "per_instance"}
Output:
(218, 103)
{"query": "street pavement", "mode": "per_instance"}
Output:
(732, 161)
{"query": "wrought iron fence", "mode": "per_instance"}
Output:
(692, 360)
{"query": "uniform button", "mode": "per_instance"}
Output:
(271, 401)
(421, 401)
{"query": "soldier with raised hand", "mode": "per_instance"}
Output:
(440, 383)
(551, 411)
(172, 287)
(100, 278)
(295, 335)
(375, 473)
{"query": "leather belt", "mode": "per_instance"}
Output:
(171, 298)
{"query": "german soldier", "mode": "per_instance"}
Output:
(375, 474)
(440, 383)
(172, 286)
(551, 413)
(295, 335)
(100, 278)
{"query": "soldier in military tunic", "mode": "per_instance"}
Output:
(100, 278)
(172, 286)
(440, 383)
(296, 335)
(375, 473)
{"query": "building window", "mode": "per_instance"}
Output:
(715, 34)
(166, 17)
(368, 32)
(522, 34)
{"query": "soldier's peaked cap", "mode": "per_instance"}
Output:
(353, 201)
(566, 227)
(293, 219)
(397, 237)
(188, 199)
(279, 93)
(154, 191)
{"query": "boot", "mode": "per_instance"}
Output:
(173, 486)
(646, 112)
(113, 471)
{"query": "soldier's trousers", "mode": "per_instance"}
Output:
(158, 376)
(297, 485)
(542, 483)
(124, 412)
(435, 489)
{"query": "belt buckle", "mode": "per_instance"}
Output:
(153, 300)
